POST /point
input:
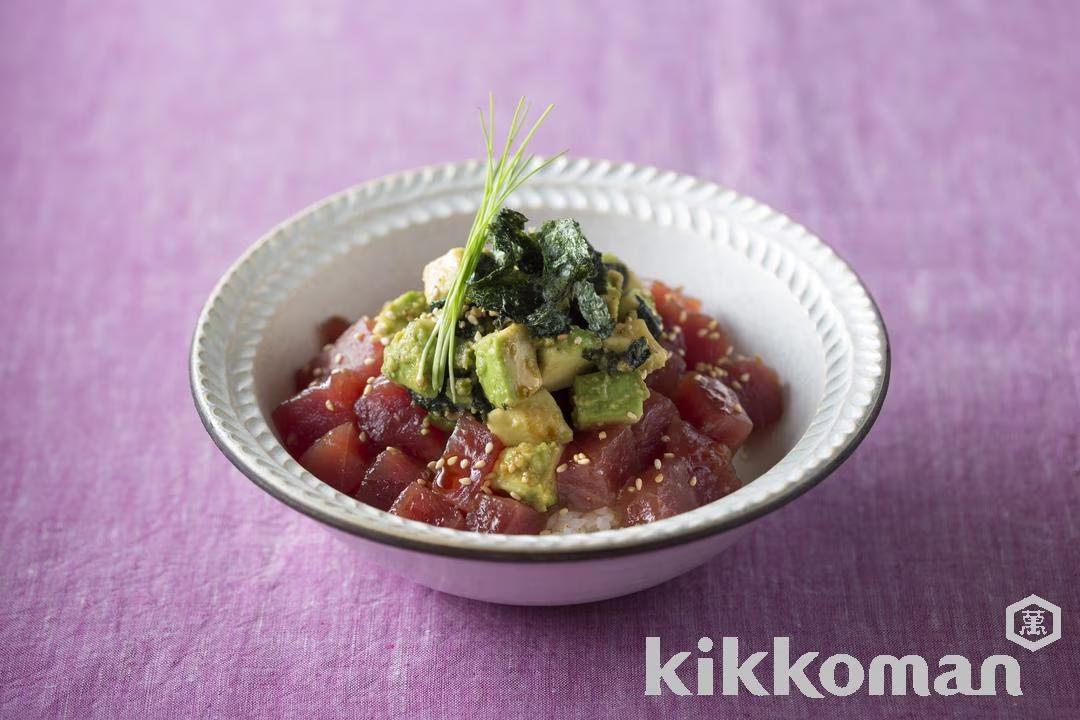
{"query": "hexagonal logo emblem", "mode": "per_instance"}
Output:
(1033, 622)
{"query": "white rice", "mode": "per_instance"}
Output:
(580, 522)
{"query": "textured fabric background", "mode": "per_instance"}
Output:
(144, 146)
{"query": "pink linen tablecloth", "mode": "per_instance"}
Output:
(145, 145)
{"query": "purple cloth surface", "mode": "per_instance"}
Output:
(935, 145)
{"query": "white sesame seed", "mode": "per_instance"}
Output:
(363, 436)
(637, 483)
(479, 464)
(602, 435)
(702, 332)
(665, 438)
(489, 447)
(330, 405)
(465, 481)
(369, 361)
(384, 341)
(561, 468)
(739, 408)
(425, 431)
(657, 464)
(563, 511)
(745, 377)
(440, 463)
(583, 460)
(367, 389)
(659, 478)
(464, 463)
(669, 455)
(631, 415)
(452, 460)
(515, 495)
(693, 481)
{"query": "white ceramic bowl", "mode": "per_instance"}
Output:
(781, 292)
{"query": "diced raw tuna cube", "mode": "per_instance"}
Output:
(474, 451)
(758, 388)
(358, 349)
(352, 347)
(388, 415)
(595, 484)
(656, 501)
(388, 476)
(712, 475)
(331, 329)
(706, 341)
(497, 514)
(666, 379)
(304, 418)
(671, 303)
(657, 413)
(339, 458)
(417, 502)
(713, 408)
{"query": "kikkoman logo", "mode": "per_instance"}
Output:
(839, 675)
(1032, 623)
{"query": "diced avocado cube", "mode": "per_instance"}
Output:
(440, 273)
(526, 472)
(613, 294)
(464, 358)
(630, 330)
(402, 357)
(631, 301)
(607, 399)
(533, 420)
(506, 365)
(563, 357)
(630, 278)
(397, 313)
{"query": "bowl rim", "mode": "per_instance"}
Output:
(840, 453)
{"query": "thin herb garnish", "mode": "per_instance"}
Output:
(504, 175)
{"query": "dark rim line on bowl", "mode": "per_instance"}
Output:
(735, 520)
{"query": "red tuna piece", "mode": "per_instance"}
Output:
(706, 342)
(358, 349)
(388, 415)
(595, 484)
(339, 458)
(496, 514)
(352, 347)
(671, 303)
(304, 418)
(758, 388)
(388, 476)
(656, 501)
(666, 379)
(331, 329)
(474, 450)
(657, 413)
(713, 408)
(712, 475)
(417, 502)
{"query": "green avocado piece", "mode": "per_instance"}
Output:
(398, 312)
(630, 301)
(630, 330)
(526, 472)
(562, 358)
(506, 365)
(402, 357)
(533, 420)
(607, 399)
(613, 294)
